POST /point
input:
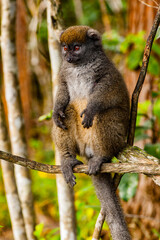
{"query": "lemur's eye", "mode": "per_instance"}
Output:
(65, 48)
(76, 48)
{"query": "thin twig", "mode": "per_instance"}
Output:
(148, 4)
(155, 2)
(98, 225)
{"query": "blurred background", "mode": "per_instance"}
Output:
(124, 26)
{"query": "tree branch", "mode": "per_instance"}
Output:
(98, 225)
(142, 166)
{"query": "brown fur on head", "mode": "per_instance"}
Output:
(74, 34)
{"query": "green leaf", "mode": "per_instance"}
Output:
(47, 116)
(134, 59)
(156, 233)
(38, 230)
(156, 109)
(143, 107)
(155, 94)
(128, 186)
(153, 149)
(156, 48)
(153, 66)
(54, 231)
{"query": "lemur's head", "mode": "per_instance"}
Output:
(78, 43)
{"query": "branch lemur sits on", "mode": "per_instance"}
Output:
(91, 116)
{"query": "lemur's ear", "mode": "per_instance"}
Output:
(94, 35)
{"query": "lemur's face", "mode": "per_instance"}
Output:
(74, 52)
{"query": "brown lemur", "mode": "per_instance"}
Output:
(91, 116)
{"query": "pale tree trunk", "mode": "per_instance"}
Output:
(10, 184)
(115, 5)
(78, 10)
(15, 118)
(37, 62)
(23, 64)
(65, 194)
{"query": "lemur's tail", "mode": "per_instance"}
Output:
(110, 205)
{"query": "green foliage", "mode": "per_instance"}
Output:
(4, 214)
(156, 107)
(157, 234)
(153, 66)
(92, 12)
(149, 121)
(153, 149)
(128, 186)
(68, 13)
(112, 41)
(141, 130)
(134, 59)
(42, 33)
(133, 46)
(40, 234)
(47, 116)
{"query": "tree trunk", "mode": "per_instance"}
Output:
(10, 184)
(65, 194)
(23, 64)
(15, 118)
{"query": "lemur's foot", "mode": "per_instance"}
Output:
(94, 165)
(67, 170)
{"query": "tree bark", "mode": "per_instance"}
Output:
(13, 201)
(65, 194)
(15, 118)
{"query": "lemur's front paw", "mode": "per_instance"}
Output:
(58, 117)
(67, 170)
(88, 118)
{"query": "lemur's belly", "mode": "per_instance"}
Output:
(83, 136)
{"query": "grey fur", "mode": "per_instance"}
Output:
(91, 116)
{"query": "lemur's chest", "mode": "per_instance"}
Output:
(80, 83)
